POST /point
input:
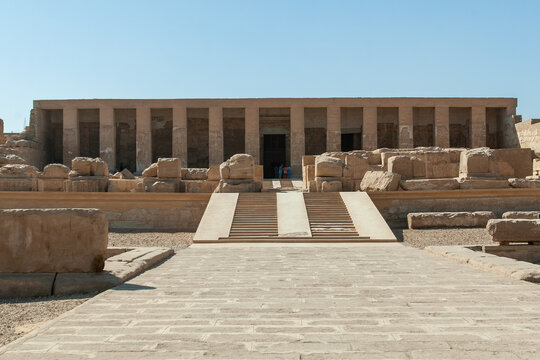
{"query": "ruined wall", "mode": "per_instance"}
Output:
(423, 126)
(234, 135)
(315, 130)
(460, 127)
(161, 124)
(126, 139)
(198, 137)
(529, 134)
(388, 127)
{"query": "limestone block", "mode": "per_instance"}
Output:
(419, 167)
(327, 166)
(374, 158)
(308, 160)
(125, 185)
(357, 165)
(194, 173)
(430, 184)
(380, 181)
(169, 168)
(51, 184)
(82, 165)
(310, 172)
(521, 215)
(258, 173)
(126, 175)
(150, 171)
(520, 160)
(331, 186)
(99, 167)
(52, 240)
(238, 167)
(26, 284)
(319, 180)
(238, 186)
(312, 186)
(438, 165)
(11, 159)
(212, 173)
(164, 186)
(455, 154)
(347, 184)
(514, 230)
(87, 184)
(505, 169)
(477, 162)
(59, 171)
(334, 154)
(449, 219)
(18, 171)
(401, 165)
(485, 183)
(385, 156)
(524, 183)
(18, 184)
(201, 186)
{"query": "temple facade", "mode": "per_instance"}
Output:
(133, 133)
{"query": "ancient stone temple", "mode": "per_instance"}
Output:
(133, 133)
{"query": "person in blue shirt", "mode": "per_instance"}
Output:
(289, 172)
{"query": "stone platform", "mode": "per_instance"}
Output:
(299, 301)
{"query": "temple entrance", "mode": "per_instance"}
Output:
(274, 153)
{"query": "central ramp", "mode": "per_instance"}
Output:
(292, 217)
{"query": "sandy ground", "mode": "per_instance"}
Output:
(19, 316)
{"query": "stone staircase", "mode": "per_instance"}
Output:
(255, 217)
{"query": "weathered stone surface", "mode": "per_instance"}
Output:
(519, 160)
(380, 181)
(126, 175)
(82, 165)
(195, 173)
(238, 186)
(238, 167)
(18, 184)
(430, 184)
(18, 170)
(164, 186)
(99, 167)
(521, 215)
(331, 186)
(212, 173)
(52, 240)
(200, 186)
(449, 219)
(150, 171)
(308, 160)
(477, 162)
(87, 184)
(125, 185)
(169, 168)
(514, 230)
(51, 184)
(524, 183)
(485, 183)
(401, 165)
(357, 166)
(11, 159)
(26, 285)
(59, 171)
(328, 166)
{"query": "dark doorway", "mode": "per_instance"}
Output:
(352, 141)
(274, 154)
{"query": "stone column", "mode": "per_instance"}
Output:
(298, 146)
(478, 126)
(442, 126)
(406, 126)
(252, 132)
(215, 135)
(70, 135)
(369, 131)
(107, 137)
(144, 138)
(333, 128)
(179, 135)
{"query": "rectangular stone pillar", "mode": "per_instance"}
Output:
(442, 126)
(369, 131)
(215, 135)
(252, 133)
(298, 146)
(333, 128)
(478, 126)
(406, 126)
(179, 135)
(144, 138)
(107, 137)
(70, 141)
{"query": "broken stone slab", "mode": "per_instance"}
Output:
(477, 162)
(521, 215)
(238, 167)
(238, 186)
(212, 173)
(169, 168)
(356, 166)
(331, 186)
(59, 171)
(328, 166)
(126, 175)
(125, 185)
(524, 183)
(486, 183)
(429, 184)
(406, 166)
(428, 220)
(380, 181)
(52, 240)
(514, 230)
(200, 186)
(18, 171)
(11, 159)
(51, 184)
(164, 186)
(18, 184)
(195, 173)
(150, 171)
(85, 166)
(87, 184)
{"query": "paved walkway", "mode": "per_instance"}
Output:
(275, 301)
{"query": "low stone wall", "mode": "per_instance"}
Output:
(138, 211)
(395, 205)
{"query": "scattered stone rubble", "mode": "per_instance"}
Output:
(238, 175)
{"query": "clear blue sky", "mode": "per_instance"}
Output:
(190, 49)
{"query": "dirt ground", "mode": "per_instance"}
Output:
(20, 316)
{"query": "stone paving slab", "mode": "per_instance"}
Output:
(299, 301)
